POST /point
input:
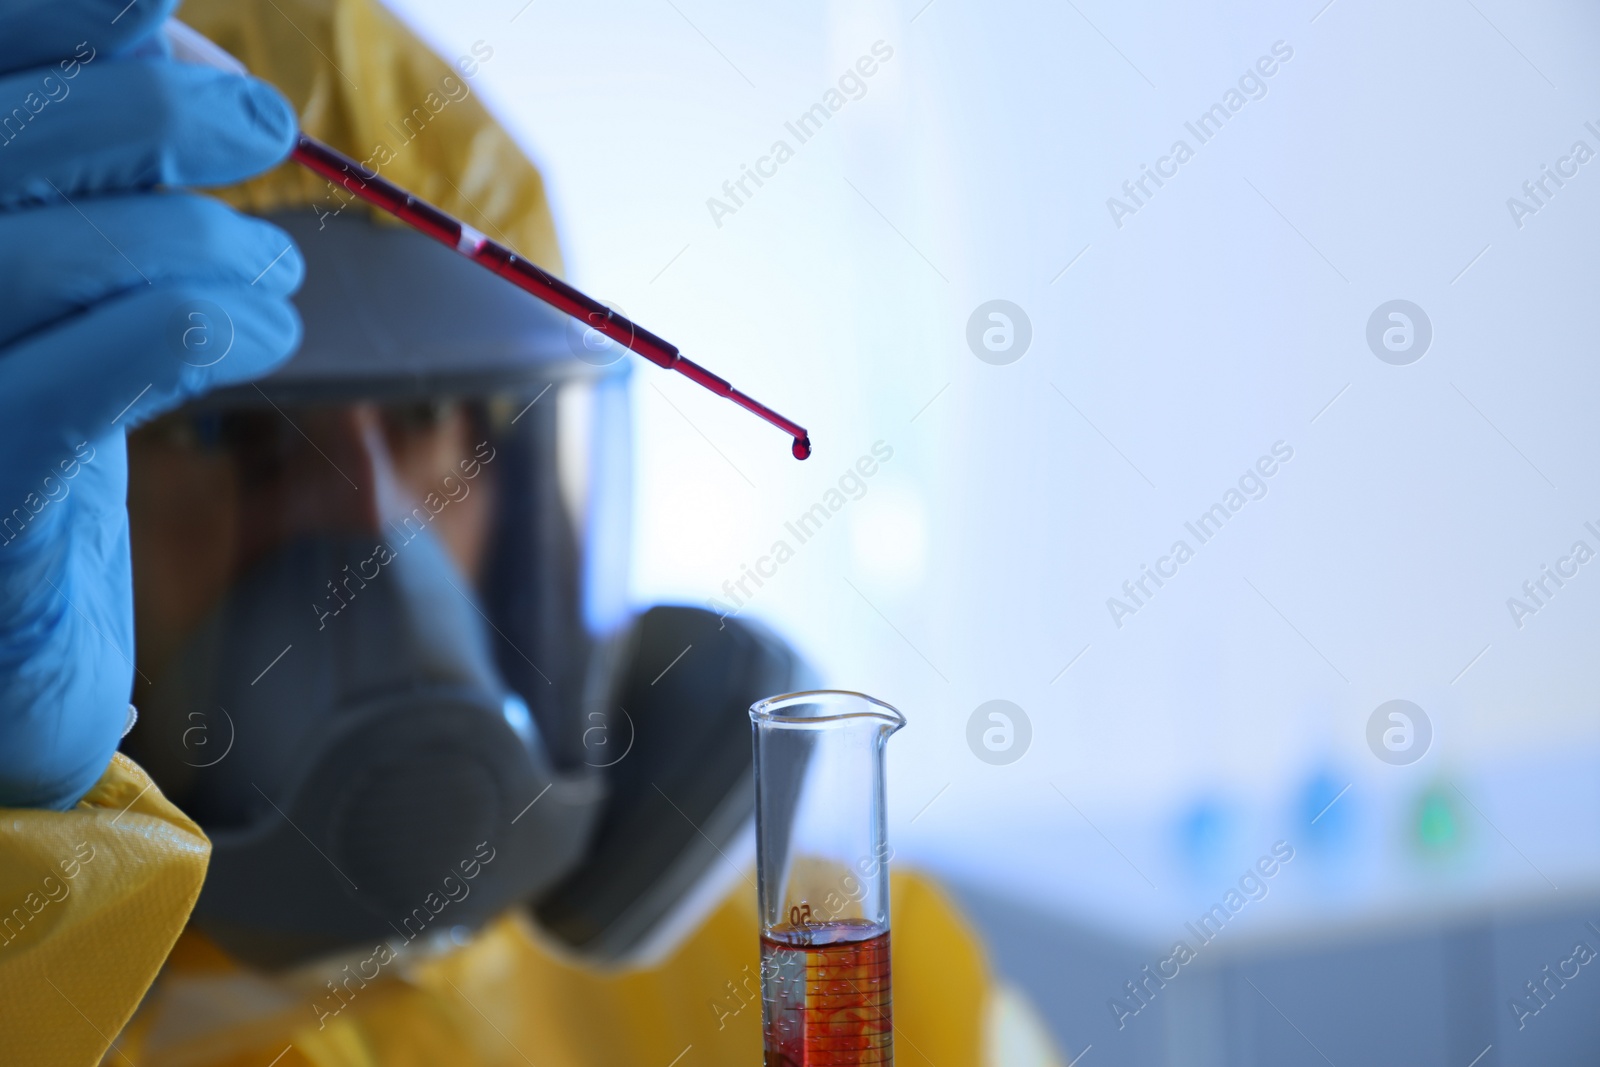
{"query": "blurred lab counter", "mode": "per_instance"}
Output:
(1447, 918)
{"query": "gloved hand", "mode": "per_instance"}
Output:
(119, 299)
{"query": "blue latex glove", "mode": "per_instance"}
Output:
(118, 301)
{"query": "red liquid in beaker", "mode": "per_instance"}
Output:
(828, 1002)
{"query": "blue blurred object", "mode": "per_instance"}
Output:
(1205, 831)
(123, 300)
(1326, 810)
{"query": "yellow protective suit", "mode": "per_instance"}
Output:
(93, 899)
(103, 891)
(507, 998)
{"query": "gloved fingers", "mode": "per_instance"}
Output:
(66, 658)
(127, 360)
(60, 260)
(124, 124)
(45, 33)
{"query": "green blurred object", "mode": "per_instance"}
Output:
(1438, 823)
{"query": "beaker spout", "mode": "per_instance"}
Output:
(825, 708)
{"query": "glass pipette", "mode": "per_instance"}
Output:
(425, 218)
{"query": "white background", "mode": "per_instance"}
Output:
(1223, 317)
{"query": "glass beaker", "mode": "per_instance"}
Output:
(822, 873)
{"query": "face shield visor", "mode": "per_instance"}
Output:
(385, 657)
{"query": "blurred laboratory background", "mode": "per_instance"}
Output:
(1207, 463)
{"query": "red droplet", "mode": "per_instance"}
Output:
(802, 447)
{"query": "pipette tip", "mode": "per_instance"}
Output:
(367, 185)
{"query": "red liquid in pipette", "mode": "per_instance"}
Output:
(424, 217)
(828, 1003)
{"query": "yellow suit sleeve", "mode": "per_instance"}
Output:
(91, 901)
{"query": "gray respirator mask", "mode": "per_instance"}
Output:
(382, 734)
